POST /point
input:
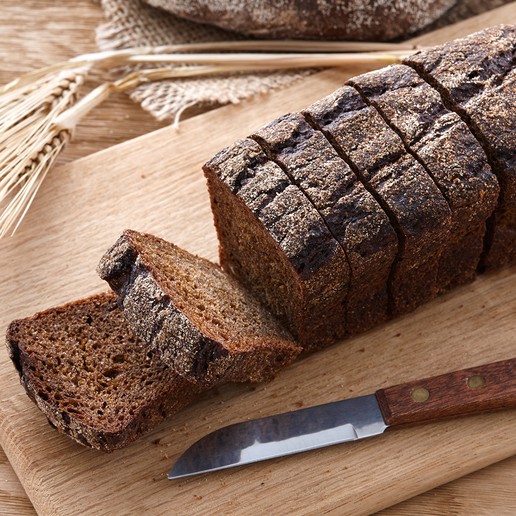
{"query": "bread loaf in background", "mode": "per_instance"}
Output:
(374, 20)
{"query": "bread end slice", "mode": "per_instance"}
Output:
(91, 376)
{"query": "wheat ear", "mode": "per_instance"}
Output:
(29, 143)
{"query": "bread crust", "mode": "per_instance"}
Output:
(322, 19)
(445, 146)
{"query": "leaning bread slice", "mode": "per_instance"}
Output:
(93, 379)
(201, 321)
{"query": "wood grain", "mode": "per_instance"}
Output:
(488, 492)
(13, 499)
(70, 28)
(484, 388)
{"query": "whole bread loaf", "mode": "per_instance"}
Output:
(423, 162)
(203, 324)
(91, 376)
(372, 20)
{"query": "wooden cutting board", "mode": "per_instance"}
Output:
(154, 184)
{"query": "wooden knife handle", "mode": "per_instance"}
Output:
(470, 391)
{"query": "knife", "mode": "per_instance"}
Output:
(469, 391)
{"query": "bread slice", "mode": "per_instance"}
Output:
(476, 78)
(415, 206)
(351, 213)
(443, 143)
(276, 243)
(199, 319)
(494, 113)
(93, 379)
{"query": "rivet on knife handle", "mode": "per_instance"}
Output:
(479, 389)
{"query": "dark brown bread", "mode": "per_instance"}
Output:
(464, 9)
(370, 20)
(445, 146)
(475, 77)
(351, 213)
(417, 210)
(93, 379)
(495, 114)
(275, 242)
(203, 324)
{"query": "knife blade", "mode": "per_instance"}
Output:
(469, 391)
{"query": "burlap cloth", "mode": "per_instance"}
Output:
(132, 23)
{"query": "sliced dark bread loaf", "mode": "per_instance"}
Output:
(417, 210)
(351, 213)
(276, 243)
(93, 379)
(475, 77)
(199, 319)
(445, 146)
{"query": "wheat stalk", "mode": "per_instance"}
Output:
(38, 112)
(111, 58)
(31, 179)
(246, 61)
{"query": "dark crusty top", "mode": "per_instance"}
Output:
(358, 130)
(316, 19)
(475, 77)
(282, 208)
(495, 114)
(437, 136)
(405, 191)
(465, 67)
(352, 214)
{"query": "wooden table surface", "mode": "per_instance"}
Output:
(34, 33)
